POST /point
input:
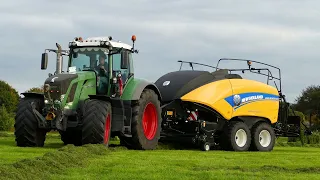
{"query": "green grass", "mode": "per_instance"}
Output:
(9, 153)
(97, 162)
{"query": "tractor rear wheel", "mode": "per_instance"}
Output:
(146, 122)
(27, 132)
(97, 118)
(263, 137)
(236, 137)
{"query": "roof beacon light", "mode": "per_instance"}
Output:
(133, 38)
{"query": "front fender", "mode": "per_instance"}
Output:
(33, 95)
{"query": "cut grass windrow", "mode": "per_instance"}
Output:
(51, 162)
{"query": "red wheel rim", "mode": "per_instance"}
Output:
(150, 121)
(107, 130)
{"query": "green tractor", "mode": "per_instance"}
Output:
(96, 99)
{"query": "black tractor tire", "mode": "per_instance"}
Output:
(71, 136)
(97, 119)
(228, 137)
(264, 141)
(27, 133)
(146, 110)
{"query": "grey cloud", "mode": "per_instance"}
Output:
(282, 33)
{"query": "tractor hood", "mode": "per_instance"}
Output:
(59, 84)
(175, 84)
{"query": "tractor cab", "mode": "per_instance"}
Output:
(111, 62)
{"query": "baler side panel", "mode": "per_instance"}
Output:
(213, 95)
(252, 98)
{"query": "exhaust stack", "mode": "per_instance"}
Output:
(59, 62)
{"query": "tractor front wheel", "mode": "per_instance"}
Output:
(97, 118)
(146, 122)
(26, 125)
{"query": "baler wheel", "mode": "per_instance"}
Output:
(26, 125)
(97, 118)
(236, 136)
(263, 137)
(205, 146)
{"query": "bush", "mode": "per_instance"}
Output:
(6, 119)
(9, 97)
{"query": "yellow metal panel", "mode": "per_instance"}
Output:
(257, 99)
(212, 95)
(238, 97)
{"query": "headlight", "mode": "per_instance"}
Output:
(46, 101)
(62, 97)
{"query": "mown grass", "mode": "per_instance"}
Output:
(9, 153)
(282, 163)
(97, 162)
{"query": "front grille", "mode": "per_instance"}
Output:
(55, 92)
(59, 85)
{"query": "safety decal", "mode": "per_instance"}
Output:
(193, 116)
(239, 100)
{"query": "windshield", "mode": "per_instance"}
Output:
(89, 58)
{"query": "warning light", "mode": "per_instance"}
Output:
(249, 63)
(133, 38)
(78, 39)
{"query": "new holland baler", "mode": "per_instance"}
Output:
(223, 109)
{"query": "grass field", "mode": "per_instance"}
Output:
(56, 161)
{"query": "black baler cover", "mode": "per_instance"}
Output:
(182, 82)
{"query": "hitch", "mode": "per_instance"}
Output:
(41, 120)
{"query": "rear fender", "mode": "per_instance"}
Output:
(121, 114)
(145, 85)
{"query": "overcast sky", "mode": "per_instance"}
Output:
(283, 33)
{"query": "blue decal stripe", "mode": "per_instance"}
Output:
(236, 107)
(246, 98)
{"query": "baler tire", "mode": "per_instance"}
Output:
(228, 141)
(27, 133)
(96, 126)
(205, 146)
(256, 130)
(141, 141)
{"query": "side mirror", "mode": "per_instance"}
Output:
(44, 61)
(124, 59)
